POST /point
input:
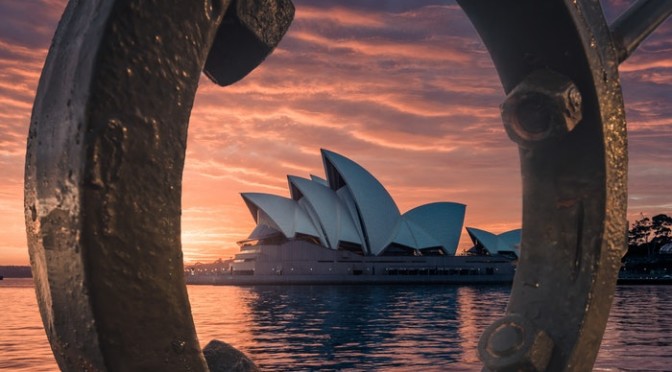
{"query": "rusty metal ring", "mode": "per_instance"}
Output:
(104, 164)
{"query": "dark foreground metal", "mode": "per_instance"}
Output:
(104, 174)
(107, 143)
(564, 107)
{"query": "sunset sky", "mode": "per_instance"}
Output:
(404, 88)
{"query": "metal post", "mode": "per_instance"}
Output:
(640, 20)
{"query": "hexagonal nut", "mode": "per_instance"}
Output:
(544, 105)
(513, 343)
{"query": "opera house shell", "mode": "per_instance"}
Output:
(352, 211)
(506, 243)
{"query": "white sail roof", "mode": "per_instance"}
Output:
(319, 180)
(376, 212)
(404, 236)
(495, 244)
(351, 206)
(285, 213)
(443, 221)
(411, 235)
(510, 241)
(331, 214)
(356, 236)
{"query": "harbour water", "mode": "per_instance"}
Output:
(428, 328)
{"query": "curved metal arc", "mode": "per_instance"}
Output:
(103, 174)
(106, 145)
(574, 179)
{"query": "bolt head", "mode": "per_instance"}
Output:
(514, 343)
(543, 106)
(506, 339)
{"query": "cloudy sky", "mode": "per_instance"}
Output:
(404, 88)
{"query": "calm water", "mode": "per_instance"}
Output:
(359, 327)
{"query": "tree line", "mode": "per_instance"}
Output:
(647, 236)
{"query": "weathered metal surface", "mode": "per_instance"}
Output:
(559, 67)
(514, 342)
(103, 183)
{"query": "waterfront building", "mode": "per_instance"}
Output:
(345, 228)
(351, 210)
(505, 244)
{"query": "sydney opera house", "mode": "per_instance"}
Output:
(346, 228)
(504, 244)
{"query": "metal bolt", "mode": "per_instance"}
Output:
(544, 105)
(506, 339)
(514, 343)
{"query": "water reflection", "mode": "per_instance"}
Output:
(364, 328)
(23, 342)
(343, 327)
(478, 307)
(639, 332)
(406, 327)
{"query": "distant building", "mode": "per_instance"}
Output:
(505, 244)
(212, 268)
(666, 249)
(350, 210)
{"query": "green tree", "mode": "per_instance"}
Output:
(661, 228)
(647, 235)
(640, 232)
